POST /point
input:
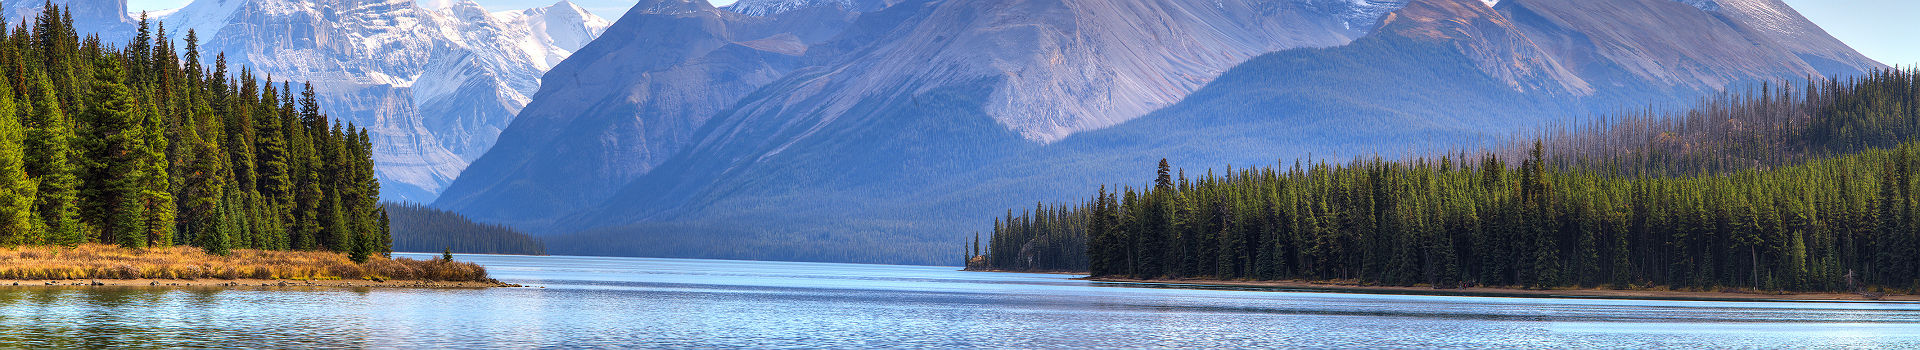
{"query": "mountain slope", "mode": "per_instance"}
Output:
(434, 86)
(774, 7)
(1669, 43)
(628, 101)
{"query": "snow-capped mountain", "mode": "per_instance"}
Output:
(434, 85)
(557, 30)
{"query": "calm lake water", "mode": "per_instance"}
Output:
(594, 302)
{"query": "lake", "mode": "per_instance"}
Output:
(597, 302)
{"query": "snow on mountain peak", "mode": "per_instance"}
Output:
(1360, 14)
(556, 31)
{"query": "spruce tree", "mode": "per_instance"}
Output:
(113, 190)
(49, 140)
(156, 192)
(17, 224)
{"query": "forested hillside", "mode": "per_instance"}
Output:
(1807, 189)
(138, 144)
(419, 228)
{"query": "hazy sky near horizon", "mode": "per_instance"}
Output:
(1881, 29)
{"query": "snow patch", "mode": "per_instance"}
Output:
(1703, 5)
(204, 17)
(774, 7)
(1362, 14)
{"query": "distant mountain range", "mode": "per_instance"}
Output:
(850, 131)
(434, 85)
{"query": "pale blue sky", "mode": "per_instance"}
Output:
(1881, 29)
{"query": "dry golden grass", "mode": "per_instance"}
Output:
(96, 261)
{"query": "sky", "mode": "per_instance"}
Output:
(1881, 29)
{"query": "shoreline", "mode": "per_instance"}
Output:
(249, 282)
(88, 265)
(1032, 272)
(1594, 293)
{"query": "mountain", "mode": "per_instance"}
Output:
(108, 18)
(435, 86)
(1084, 63)
(893, 153)
(626, 102)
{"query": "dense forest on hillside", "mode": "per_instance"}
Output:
(418, 228)
(141, 145)
(1776, 190)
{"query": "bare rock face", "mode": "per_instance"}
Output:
(1688, 45)
(774, 7)
(1066, 66)
(1490, 40)
(631, 99)
(434, 86)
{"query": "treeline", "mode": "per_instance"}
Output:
(1745, 192)
(141, 145)
(1770, 125)
(418, 228)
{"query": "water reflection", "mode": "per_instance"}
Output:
(614, 302)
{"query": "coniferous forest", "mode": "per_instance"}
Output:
(1794, 188)
(419, 228)
(141, 145)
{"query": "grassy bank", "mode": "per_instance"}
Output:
(95, 261)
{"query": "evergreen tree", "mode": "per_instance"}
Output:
(48, 145)
(159, 151)
(17, 190)
(116, 180)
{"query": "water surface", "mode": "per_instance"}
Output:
(596, 302)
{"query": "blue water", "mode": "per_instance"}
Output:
(594, 302)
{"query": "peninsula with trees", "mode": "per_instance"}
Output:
(137, 161)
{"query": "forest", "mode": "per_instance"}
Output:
(1784, 187)
(419, 228)
(142, 145)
